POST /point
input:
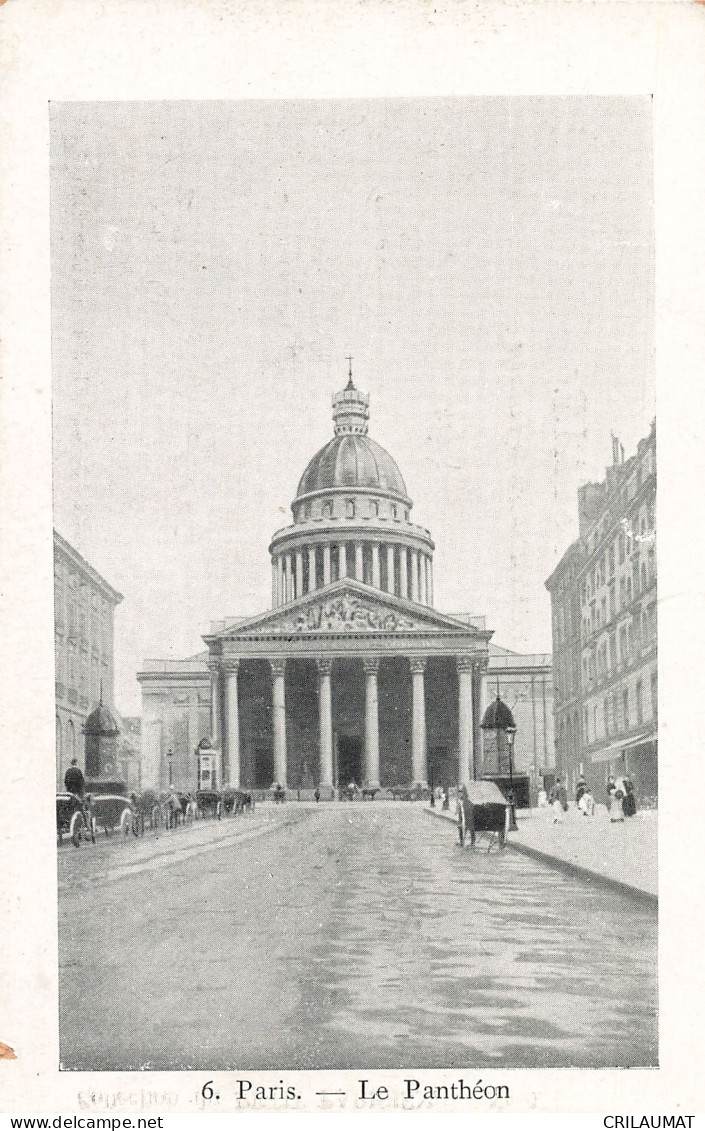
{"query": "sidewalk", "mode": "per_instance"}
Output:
(623, 855)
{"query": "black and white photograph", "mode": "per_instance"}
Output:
(355, 575)
(351, 594)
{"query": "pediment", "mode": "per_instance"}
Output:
(351, 608)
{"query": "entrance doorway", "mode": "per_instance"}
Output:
(350, 766)
(264, 769)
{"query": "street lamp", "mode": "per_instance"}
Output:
(169, 756)
(511, 735)
(500, 719)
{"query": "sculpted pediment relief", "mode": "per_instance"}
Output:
(345, 611)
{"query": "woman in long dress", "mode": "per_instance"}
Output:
(616, 797)
(629, 803)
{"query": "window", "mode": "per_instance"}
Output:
(613, 651)
(625, 708)
(654, 695)
(639, 702)
(610, 561)
(395, 516)
(621, 548)
(349, 508)
(606, 707)
(374, 508)
(327, 510)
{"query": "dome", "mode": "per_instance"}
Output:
(498, 717)
(352, 460)
(102, 722)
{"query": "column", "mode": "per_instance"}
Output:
(359, 570)
(422, 579)
(299, 587)
(429, 582)
(414, 575)
(466, 753)
(279, 720)
(375, 566)
(214, 668)
(478, 698)
(275, 580)
(418, 722)
(371, 666)
(290, 577)
(326, 563)
(231, 756)
(282, 580)
(403, 582)
(311, 568)
(342, 559)
(325, 723)
(390, 569)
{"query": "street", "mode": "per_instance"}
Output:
(344, 936)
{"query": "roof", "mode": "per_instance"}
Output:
(484, 793)
(101, 722)
(89, 572)
(352, 460)
(498, 717)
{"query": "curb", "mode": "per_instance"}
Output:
(569, 867)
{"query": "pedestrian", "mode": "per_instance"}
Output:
(586, 805)
(558, 800)
(74, 781)
(543, 799)
(580, 787)
(317, 794)
(615, 794)
(629, 803)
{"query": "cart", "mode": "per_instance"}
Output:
(73, 817)
(209, 803)
(483, 813)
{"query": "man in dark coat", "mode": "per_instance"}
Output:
(74, 782)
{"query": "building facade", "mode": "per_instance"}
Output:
(604, 622)
(352, 674)
(84, 607)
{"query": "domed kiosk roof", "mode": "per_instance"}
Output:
(100, 721)
(352, 461)
(351, 458)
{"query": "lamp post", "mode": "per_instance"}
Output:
(500, 719)
(169, 757)
(511, 734)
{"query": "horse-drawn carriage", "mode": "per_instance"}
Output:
(112, 812)
(236, 801)
(209, 803)
(483, 815)
(409, 793)
(73, 818)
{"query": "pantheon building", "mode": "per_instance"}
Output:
(352, 674)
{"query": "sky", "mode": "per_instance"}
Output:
(487, 262)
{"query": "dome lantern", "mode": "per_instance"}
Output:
(351, 409)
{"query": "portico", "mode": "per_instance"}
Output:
(344, 633)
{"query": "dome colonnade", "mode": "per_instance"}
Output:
(351, 519)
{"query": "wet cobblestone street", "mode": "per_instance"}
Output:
(348, 936)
